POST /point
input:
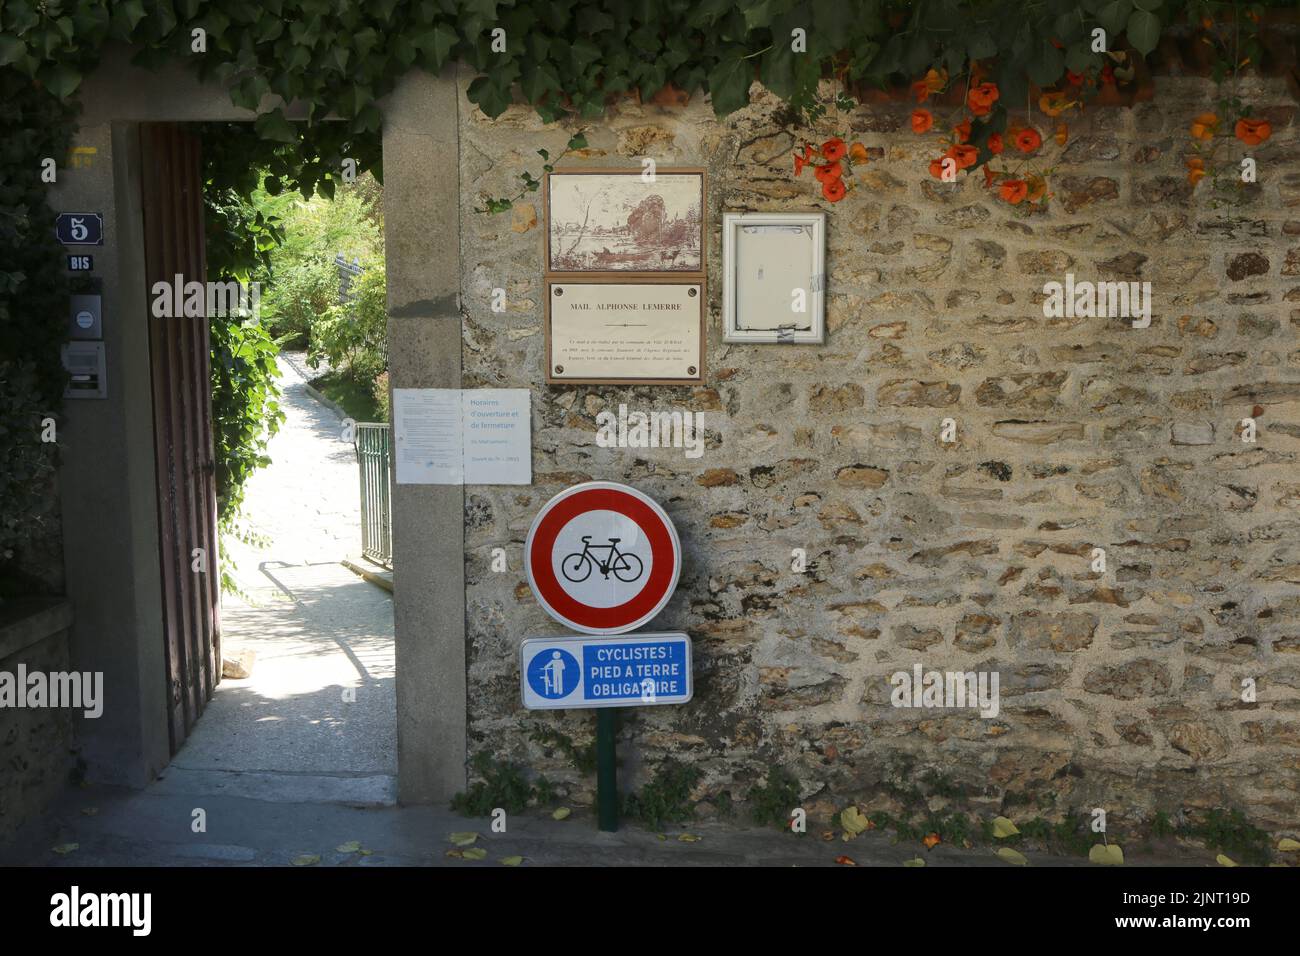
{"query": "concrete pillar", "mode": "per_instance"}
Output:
(422, 239)
(107, 482)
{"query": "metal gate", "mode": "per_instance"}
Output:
(172, 194)
(373, 451)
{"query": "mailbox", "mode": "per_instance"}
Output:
(86, 369)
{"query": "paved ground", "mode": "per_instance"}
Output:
(316, 721)
(153, 828)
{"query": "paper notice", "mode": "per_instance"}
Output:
(449, 436)
(427, 436)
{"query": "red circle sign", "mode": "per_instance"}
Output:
(602, 558)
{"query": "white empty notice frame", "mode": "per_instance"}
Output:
(774, 277)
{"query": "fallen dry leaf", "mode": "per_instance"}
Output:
(915, 861)
(306, 859)
(1107, 855)
(853, 822)
(932, 841)
(688, 838)
(1009, 855)
(464, 838)
(63, 849)
(1225, 861)
(511, 860)
(560, 813)
(1003, 828)
(1288, 845)
(350, 847)
(474, 853)
(846, 861)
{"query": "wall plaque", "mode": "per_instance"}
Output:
(619, 221)
(643, 330)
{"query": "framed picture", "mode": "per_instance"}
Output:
(773, 266)
(647, 330)
(611, 222)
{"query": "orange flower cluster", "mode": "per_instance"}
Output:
(1205, 128)
(932, 82)
(962, 154)
(1252, 132)
(836, 157)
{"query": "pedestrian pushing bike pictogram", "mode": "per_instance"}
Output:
(624, 565)
(553, 675)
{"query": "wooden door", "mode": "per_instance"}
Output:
(180, 359)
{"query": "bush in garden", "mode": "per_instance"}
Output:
(382, 399)
(352, 335)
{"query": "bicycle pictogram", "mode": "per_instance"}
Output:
(624, 565)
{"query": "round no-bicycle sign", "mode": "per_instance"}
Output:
(602, 558)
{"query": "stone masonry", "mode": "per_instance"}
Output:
(1120, 689)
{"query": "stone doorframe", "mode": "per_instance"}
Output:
(109, 501)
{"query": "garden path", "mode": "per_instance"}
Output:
(316, 720)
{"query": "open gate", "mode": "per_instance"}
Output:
(374, 443)
(172, 194)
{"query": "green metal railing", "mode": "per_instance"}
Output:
(374, 446)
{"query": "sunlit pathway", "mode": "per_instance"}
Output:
(316, 720)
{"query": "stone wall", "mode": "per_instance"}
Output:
(36, 756)
(1120, 689)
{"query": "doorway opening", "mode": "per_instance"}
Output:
(297, 696)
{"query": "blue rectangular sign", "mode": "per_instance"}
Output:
(630, 670)
(80, 228)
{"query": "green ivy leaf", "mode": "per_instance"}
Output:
(274, 126)
(11, 49)
(729, 81)
(593, 20)
(759, 14)
(1143, 31)
(61, 80)
(487, 96)
(1047, 65)
(776, 70)
(444, 38)
(583, 53)
(1079, 56)
(980, 46)
(919, 54)
(539, 81)
(833, 19)
(1113, 16)
(126, 15)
